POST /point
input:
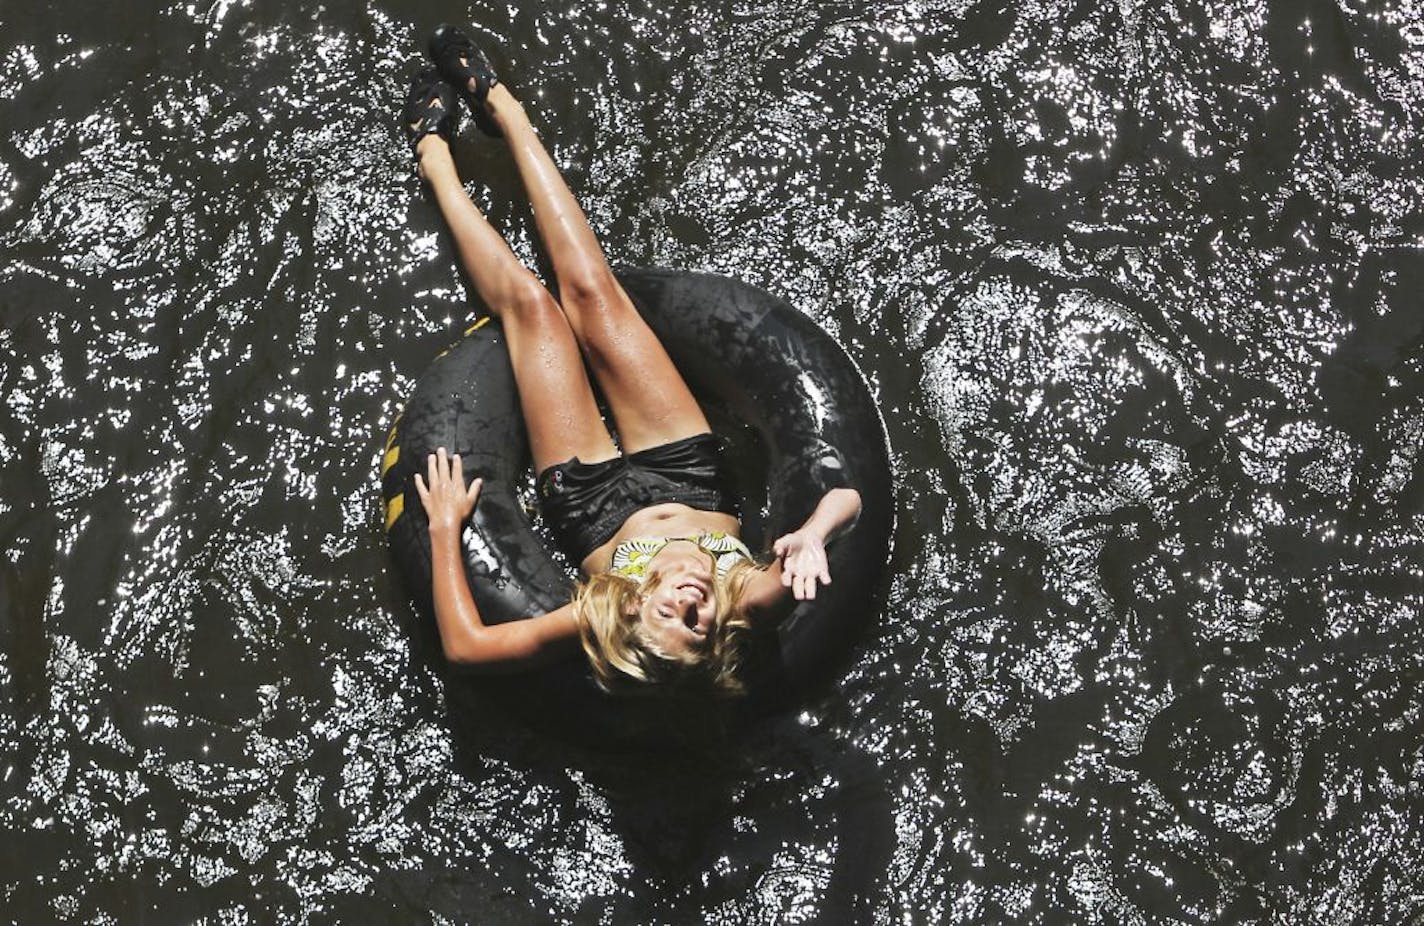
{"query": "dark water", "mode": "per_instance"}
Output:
(1138, 285)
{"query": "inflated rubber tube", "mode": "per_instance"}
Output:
(772, 381)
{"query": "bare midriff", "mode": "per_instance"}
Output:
(670, 519)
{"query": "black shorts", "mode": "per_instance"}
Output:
(585, 503)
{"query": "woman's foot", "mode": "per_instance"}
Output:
(461, 62)
(431, 108)
(433, 158)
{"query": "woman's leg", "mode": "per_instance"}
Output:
(650, 402)
(559, 409)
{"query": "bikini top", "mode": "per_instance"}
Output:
(631, 557)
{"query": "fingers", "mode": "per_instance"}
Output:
(446, 498)
(442, 466)
(804, 585)
(803, 571)
(781, 548)
(796, 575)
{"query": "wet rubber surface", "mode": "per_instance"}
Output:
(1137, 286)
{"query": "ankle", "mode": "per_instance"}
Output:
(502, 104)
(431, 152)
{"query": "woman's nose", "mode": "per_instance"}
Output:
(688, 605)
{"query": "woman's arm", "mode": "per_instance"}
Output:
(465, 638)
(801, 555)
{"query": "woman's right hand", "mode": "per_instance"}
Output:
(803, 563)
(443, 493)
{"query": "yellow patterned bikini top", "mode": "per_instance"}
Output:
(631, 557)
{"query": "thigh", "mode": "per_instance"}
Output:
(555, 395)
(651, 403)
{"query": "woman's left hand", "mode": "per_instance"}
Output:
(803, 563)
(448, 502)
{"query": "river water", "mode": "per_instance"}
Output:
(1137, 286)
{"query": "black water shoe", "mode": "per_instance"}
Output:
(431, 106)
(461, 61)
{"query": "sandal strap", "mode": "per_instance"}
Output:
(420, 116)
(432, 119)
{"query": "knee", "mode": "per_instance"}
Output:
(588, 289)
(526, 297)
(597, 310)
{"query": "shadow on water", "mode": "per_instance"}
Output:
(683, 817)
(683, 807)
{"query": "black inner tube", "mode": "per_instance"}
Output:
(800, 420)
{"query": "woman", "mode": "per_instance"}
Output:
(668, 587)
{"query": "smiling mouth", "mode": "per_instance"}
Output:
(697, 587)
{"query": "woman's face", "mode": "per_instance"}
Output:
(680, 611)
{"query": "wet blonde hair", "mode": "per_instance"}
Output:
(625, 661)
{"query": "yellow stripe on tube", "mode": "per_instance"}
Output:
(395, 507)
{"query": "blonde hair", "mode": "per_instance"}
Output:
(626, 661)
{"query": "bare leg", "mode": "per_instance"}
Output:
(559, 409)
(650, 402)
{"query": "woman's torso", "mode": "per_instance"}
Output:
(669, 519)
